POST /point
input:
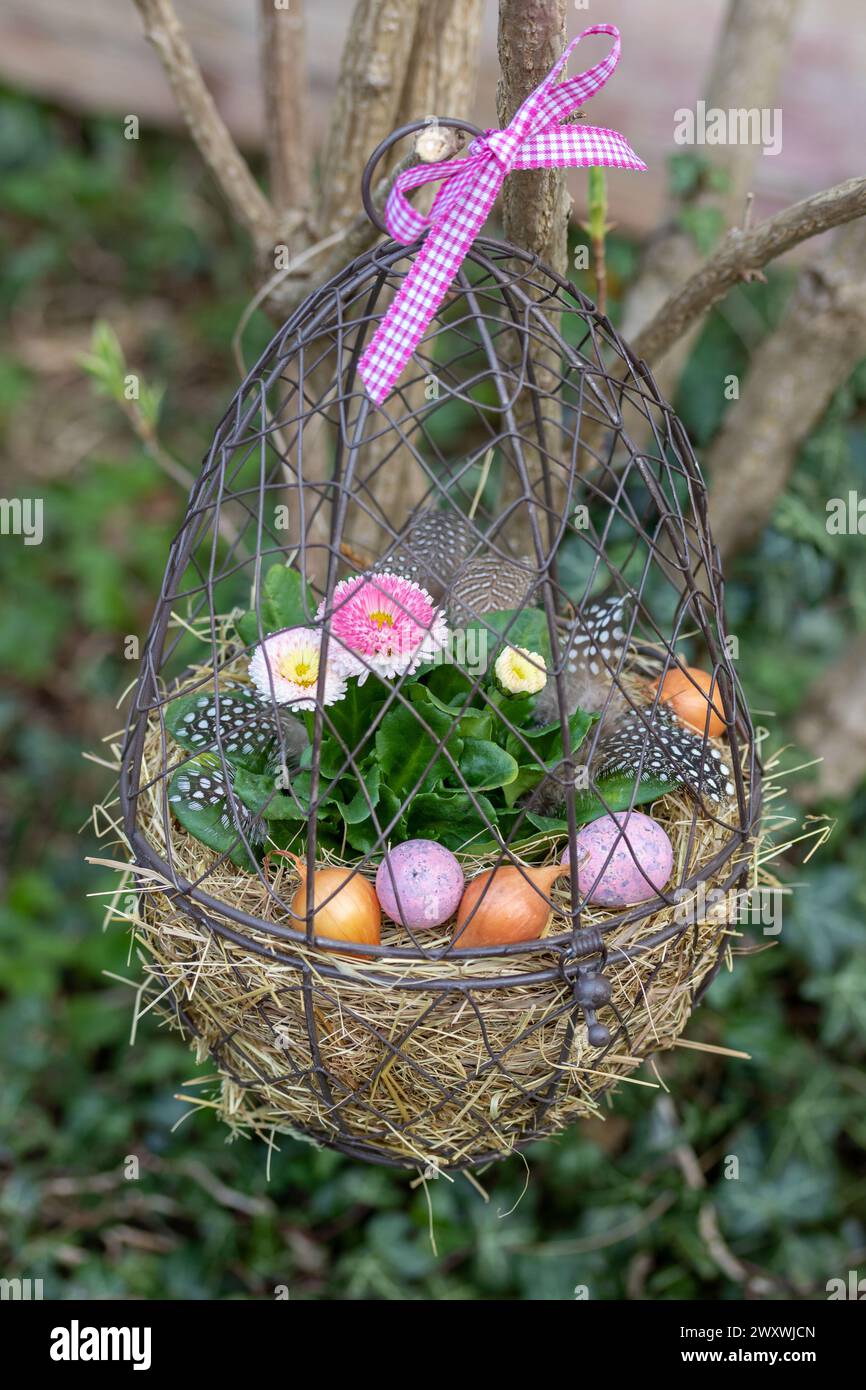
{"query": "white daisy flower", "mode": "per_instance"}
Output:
(520, 672)
(285, 667)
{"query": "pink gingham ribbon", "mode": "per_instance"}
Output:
(535, 139)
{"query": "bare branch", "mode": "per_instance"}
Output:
(748, 66)
(247, 201)
(743, 252)
(535, 203)
(792, 377)
(284, 75)
(440, 79)
(287, 290)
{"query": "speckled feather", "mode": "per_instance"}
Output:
(435, 552)
(593, 651)
(247, 726)
(200, 787)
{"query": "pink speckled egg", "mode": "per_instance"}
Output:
(628, 859)
(428, 879)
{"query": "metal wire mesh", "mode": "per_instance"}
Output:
(592, 490)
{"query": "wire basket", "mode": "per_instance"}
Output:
(525, 427)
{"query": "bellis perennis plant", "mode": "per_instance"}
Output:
(407, 743)
(385, 624)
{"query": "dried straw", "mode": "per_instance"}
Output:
(428, 1076)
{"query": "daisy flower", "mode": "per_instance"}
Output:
(285, 667)
(520, 672)
(384, 623)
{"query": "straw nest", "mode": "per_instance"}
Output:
(402, 1060)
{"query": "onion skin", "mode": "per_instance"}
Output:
(510, 910)
(352, 912)
(687, 691)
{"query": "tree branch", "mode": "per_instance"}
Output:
(746, 73)
(439, 79)
(792, 377)
(741, 253)
(535, 209)
(366, 102)
(430, 147)
(284, 74)
(535, 202)
(247, 201)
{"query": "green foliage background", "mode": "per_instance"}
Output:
(94, 226)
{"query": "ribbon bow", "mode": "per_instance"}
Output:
(535, 139)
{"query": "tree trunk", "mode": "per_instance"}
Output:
(536, 204)
(536, 207)
(286, 96)
(439, 57)
(831, 725)
(794, 373)
(747, 70)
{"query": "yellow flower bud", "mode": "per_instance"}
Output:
(520, 672)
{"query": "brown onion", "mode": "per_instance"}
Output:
(345, 905)
(514, 906)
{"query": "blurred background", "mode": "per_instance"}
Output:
(118, 255)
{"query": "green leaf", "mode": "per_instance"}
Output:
(198, 797)
(404, 748)
(286, 601)
(685, 171)
(449, 817)
(526, 627)
(621, 794)
(484, 765)
(479, 724)
(363, 836)
(704, 224)
(551, 824)
(473, 722)
(449, 685)
(106, 362)
(352, 717)
(261, 794)
(517, 709)
(359, 808)
(290, 602)
(528, 776)
(547, 739)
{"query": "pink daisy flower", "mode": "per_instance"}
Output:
(285, 668)
(384, 623)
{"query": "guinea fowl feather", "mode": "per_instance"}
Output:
(438, 551)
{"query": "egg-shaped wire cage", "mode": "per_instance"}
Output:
(569, 525)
